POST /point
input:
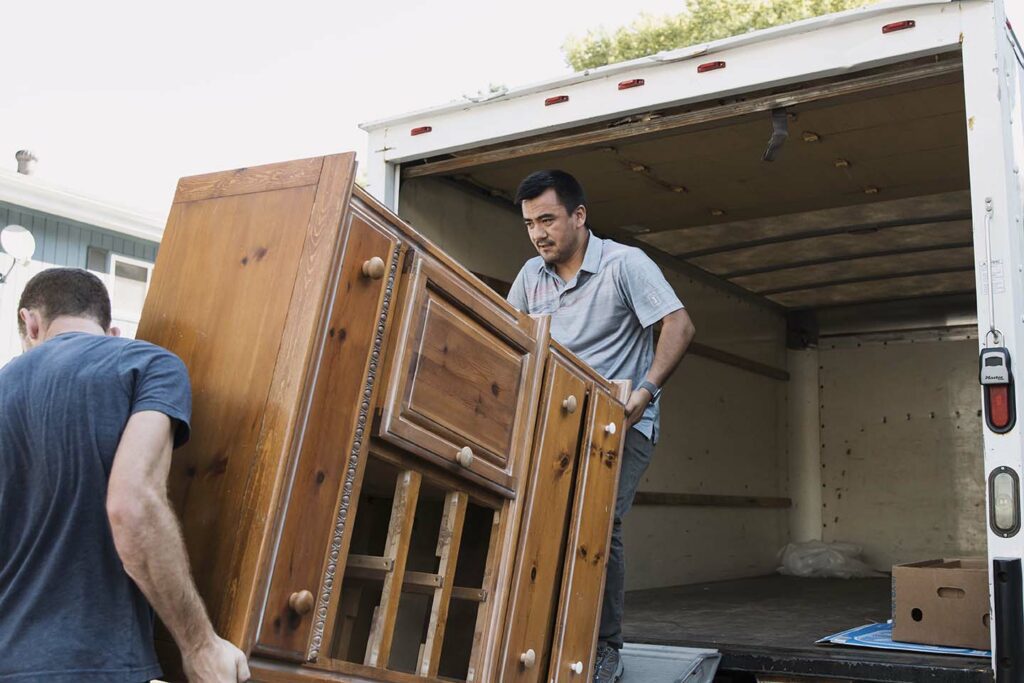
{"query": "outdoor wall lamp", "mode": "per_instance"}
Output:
(19, 244)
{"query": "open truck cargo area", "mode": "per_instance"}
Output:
(838, 204)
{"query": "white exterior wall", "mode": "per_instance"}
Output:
(10, 293)
(127, 321)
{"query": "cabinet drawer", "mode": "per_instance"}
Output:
(462, 380)
(539, 561)
(576, 627)
(331, 446)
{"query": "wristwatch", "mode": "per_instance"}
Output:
(654, 389)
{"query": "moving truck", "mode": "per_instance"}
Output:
(838, 202)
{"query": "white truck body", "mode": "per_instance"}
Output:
(789, 68)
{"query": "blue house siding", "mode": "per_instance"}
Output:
(63, 242)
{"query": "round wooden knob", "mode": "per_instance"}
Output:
(570, 404)
(465, 456)
(374, 268)
(301, 602)
(528, 658)
(610, 428)
(577, 668)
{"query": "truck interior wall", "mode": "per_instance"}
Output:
(901, 449)
(479, 234)
(723, 428)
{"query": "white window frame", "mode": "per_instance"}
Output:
(115, 312)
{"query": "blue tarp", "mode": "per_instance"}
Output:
(879, 636)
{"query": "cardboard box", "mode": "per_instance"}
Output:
(941, 602)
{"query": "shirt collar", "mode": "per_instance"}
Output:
(591, 259)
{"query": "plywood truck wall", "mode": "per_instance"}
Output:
(720, 424)
(901, 450)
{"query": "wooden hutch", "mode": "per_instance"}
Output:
(393, 475)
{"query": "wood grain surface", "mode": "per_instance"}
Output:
(224, 300)
(535, 588)
(462, 375)
(328, 456)
(589, 536)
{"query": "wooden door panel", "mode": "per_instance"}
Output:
(539, 561)
(455, 358)
(587, 551)
(332, 446)
(462, 379)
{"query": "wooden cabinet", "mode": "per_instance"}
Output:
(463, 378)
(329, 458)
(393, 475)
(590, 532)
(539, 561)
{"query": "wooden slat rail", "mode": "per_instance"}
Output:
(726, 358)
(469, 594)
(420, 583)
(374, 564)
(413, 582)
(710, 500)
(403, 511)
(482, 610)
(449, 538)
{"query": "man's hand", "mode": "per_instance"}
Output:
(148, 541)
(216, 662)
(635, 406)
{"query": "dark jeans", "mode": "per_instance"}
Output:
(636, 455)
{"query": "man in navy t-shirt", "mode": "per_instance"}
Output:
(88, 540)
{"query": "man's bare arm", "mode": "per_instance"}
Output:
(677, 332)
(149, 543)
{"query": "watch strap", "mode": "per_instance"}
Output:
(651, 387)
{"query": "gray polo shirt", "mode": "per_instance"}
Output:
(605, 315)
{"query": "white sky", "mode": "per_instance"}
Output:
(119, 99)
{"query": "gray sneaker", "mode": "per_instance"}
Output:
(608, 668)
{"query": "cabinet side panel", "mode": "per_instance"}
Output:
(545, 524)
(325, 480)
(224, 300)
(589, 537)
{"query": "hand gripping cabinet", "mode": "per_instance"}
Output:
(393, 475)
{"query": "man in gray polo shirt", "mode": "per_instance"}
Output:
(604, 299)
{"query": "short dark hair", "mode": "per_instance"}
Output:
(66, 291)
(566, 187)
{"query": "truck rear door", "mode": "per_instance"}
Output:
(993, 85)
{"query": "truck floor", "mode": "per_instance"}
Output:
(770, 624)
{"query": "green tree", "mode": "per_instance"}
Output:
(699, 22)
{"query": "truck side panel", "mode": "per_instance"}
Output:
(996, 145)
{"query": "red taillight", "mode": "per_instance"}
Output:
(710, 66)
(421, 130)
(899, 26)
(557, 99)
(631, 83)
(998, 405)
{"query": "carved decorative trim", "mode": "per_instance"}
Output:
(341, 520)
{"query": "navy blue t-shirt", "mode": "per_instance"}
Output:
(68, 610)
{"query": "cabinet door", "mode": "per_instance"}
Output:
(463, 379)
(323, 486)
(540, 556)
(589, 536)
